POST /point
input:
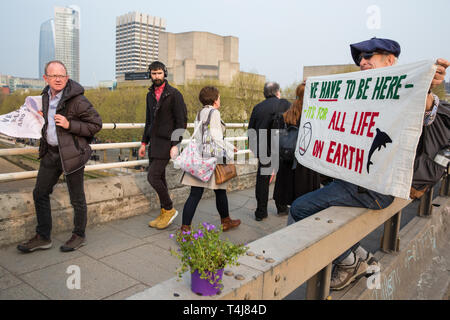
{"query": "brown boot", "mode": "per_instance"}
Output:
(185, 228)
(228, 224)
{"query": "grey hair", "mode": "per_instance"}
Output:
(54, 61)
(271, 89)
(395, 61)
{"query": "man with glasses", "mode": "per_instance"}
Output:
(352, 264)
(70, 124)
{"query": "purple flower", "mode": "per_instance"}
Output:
(184, 240)
(200, 233)
(171, 236)
(195, 236)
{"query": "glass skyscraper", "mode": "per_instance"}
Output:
(60, 40)
(46, 45)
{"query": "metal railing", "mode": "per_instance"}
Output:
(5, 177)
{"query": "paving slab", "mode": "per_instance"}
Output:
(148, 264)
(237, 201)
(243, 234)
(97, 280)
(136, 227)
(103, 240)
(271, 223)
(19, 263)
(162, 239)
(122, 295)
(3, 272)
(8, 281)
(21, 292)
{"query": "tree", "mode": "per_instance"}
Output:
(15, 100)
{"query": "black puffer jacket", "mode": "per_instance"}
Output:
(84, 120)
(162, 119)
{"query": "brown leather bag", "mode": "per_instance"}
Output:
(224, 172)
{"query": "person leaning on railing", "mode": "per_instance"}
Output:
(352, 264)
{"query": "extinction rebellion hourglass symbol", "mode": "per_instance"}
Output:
(305, 138)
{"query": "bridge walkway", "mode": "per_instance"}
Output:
(125, 257)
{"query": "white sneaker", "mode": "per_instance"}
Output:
(343, 275)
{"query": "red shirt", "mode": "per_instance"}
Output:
(159, 90)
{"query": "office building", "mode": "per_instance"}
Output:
(137, 41)
(17, 83)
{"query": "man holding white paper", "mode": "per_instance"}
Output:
(352, 264)
(70, 123)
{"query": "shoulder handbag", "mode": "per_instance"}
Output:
(209, 146)
(191, 160)
(224, 172)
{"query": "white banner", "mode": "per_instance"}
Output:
(364, 127)
(25, 122)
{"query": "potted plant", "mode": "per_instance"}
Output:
(205, 255)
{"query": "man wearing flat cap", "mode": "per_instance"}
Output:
(352, 264)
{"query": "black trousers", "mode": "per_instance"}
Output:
(157, 179)
(50, 170)
(194, 198)
(262, 193)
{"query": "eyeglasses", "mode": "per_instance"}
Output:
(56, 76)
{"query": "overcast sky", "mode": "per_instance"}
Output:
(276, 38)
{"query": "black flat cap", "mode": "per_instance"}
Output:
(374, 44)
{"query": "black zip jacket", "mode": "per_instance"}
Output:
(85, 122)
(162, 119)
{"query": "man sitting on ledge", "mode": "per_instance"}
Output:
(352, 264)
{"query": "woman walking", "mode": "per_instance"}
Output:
(210, 99)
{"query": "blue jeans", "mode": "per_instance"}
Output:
(337, 193)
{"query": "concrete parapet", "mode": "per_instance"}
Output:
(291, 256)
(107, 199)
(420, 270)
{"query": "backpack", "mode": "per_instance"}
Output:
(287, 137)
(288, 142)
(277, 121)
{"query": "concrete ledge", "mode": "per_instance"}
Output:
(108, 199)
(298, 251)
(420, 270)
